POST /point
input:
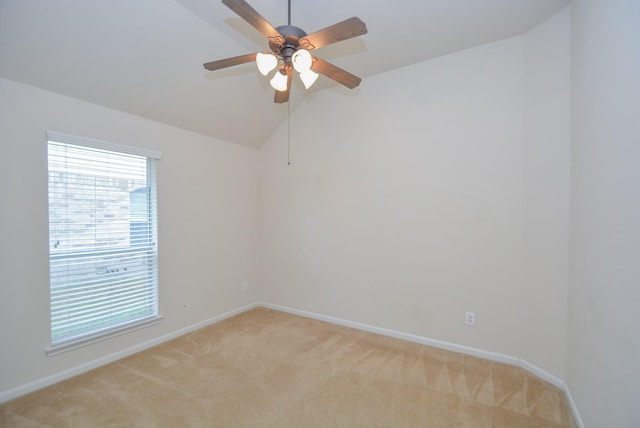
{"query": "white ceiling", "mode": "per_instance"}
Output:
(145, 56)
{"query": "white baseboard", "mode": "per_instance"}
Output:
(399, 335)
(66, 374)
(537, 371)
(574, 409)
(493, 356)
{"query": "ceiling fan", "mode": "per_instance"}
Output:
(290, 46)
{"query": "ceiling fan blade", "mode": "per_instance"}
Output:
(229, 62)
(249, 14)
(344, 30)
(336, 73)
(283, 96)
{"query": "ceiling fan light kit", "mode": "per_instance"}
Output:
(301, 60)
(279, 81)
(266, 62)
(290, 47)
(308, 78)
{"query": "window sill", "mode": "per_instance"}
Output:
(79, 343)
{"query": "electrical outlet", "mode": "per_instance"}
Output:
(470, 318)
(245, 285)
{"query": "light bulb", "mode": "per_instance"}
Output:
(301, 60)
(266, 62)
(279, 81)
(308, 77)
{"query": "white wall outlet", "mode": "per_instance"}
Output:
(470, 318)
(245, 285)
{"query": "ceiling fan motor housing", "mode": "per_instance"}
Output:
(292, 36)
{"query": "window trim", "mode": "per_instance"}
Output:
(105, 145)
(53, 350)
(90, 338)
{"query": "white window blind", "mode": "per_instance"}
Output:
(102, 238)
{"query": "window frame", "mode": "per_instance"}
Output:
(152, 158)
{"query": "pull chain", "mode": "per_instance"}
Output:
(288, 135)
(288, 102)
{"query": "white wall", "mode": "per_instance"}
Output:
(207, 203)
(545, 274)
(604, 346)
(403, 206)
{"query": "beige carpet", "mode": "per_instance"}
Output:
(270, 369)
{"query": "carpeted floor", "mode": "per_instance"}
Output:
(265, 368)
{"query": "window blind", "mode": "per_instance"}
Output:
(102, 239)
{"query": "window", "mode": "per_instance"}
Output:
(102, 239)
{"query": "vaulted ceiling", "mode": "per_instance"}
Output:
(145, 57)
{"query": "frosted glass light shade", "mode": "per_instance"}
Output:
(266, 62)
(279, 82)
(301, 60)
(308, 77)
